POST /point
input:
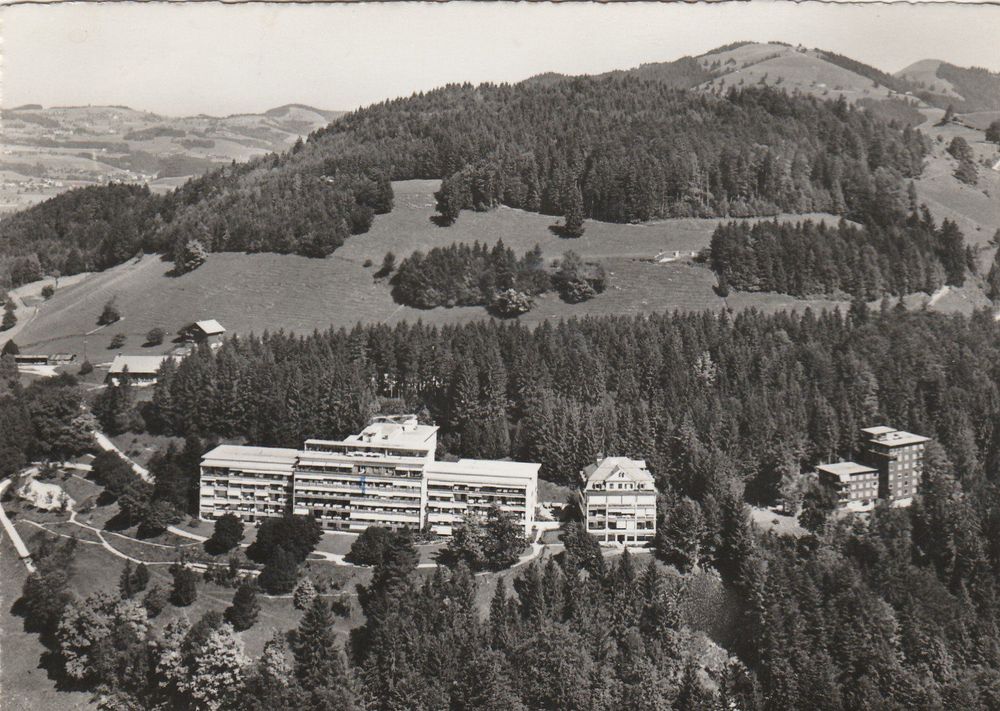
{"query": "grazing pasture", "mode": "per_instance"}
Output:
(251, 292)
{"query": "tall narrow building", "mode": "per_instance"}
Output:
(899, 458)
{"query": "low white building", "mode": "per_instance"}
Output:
(855, 485)
(385, 476)
(620, 501)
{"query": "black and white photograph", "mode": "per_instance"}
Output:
(501, 356)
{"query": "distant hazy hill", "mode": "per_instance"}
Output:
(48, 150)
(941, 83)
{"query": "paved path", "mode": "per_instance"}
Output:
(186, 534)
(15, 537)
(108, 446)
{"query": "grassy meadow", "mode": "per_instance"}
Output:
(253, 292)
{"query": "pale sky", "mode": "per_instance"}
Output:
(180, 59)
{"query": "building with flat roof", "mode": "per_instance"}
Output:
(890, 465)
(856, 485)
(473, 486)
(619, 499)
(386, 475)
(251, 482)
(899, 458)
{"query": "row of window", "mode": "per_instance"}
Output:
(640, 525)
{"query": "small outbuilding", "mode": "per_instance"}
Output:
(209, 331)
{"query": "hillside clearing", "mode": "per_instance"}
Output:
(253, 292)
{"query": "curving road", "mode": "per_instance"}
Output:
(15, 537)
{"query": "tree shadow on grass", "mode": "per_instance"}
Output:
(49, 660)
(118, 522)
(563, 233)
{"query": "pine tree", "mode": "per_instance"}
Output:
(242, 614)
(126, 581)
(993, 277)
(736, 552)
(141, 578)
(692, 695)
(318, 659)
(679, 534)
(573, 212)
(487, 683)
(185, 589)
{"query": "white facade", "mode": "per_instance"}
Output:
(855, 485)
(472, 486)
(384, 476)
(620, 501)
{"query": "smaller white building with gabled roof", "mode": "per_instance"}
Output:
(619, 499)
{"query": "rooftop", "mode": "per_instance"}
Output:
(397, 431)
(893, 437)
(878, 430)
(143, 364)
(235, 456)
(485, 467)
(617, 467)
(210, 327)
(844, 470)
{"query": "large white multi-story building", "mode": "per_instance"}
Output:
(385, 476)
(620, 501)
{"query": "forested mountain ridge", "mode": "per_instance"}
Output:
(636, 149)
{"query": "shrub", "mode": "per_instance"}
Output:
(10, 348)
(191, 255)
(388, 265)
(117, 341)
(577, 291)
(993, 132)
(305, 593)
(110, 313)
(9, 320)
(155, 336)
(155, 600)
(511, 302)
(86, 367)
(47, 291)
